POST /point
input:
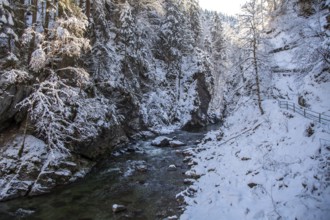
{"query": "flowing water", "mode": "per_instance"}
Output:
(136, 176)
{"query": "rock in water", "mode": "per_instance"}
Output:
(177, 144)
(118, 208)
(161, 141)
(172, 168)
(22, 213)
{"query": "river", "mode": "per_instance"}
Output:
(136, 176)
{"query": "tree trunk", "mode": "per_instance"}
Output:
(47, 16)
(88, 8)
(255, 63)
(34, 23)
(35, 11)
(60, 10)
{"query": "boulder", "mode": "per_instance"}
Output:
(118, 208)
(161, 141)
(176, 143)
(22, 213)
(172, 168)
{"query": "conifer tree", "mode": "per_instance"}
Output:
(217, 39)
(194, 17)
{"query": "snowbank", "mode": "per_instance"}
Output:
(265, 167)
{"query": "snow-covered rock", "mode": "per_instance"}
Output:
(176, 143)
(28, 168)
(161, 141)
(118, 208)
(172, 167)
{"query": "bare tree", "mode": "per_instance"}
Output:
(251, 24)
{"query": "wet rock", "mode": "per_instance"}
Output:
(187, 153)
(118, 208)
(189, 181)
(22, 213)
(245, 158)
(161, 141)
(147, 134)
(176, 143)
(178, 152)
(103, 144)
(192, 174)
(131, 149)
(187, 159)
(192, 189)
(172, 168)
(192, 163)
(252, 185)
(198, 142)
(138, 165)
(174, 217)
(142, 168)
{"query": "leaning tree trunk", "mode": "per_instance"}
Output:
(255, 64)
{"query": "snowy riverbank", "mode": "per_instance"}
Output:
(264, 167)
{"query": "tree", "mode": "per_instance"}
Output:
(217, 39)
(171, 35)
(54, 103)
(194, 18)
(251, 24)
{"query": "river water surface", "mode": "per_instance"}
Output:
(136, 176)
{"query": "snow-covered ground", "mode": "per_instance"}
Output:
(274, 166)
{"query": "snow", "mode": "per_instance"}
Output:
(4, 2)
(271, 151)
(272, 166)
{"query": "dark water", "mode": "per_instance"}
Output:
(147, 194)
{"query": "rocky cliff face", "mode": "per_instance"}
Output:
(130, 88)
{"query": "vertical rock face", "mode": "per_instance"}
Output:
(151, 87)
(199, 117)
(11, 94)
(30, 169)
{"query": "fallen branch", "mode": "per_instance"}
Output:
(254, 128)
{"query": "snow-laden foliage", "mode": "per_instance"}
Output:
(64, 40)
(14, 76)
(38, 59)
(57, 106)
(63, 114)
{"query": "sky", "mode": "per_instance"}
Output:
(230, 7)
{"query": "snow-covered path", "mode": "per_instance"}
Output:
(276, 168)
